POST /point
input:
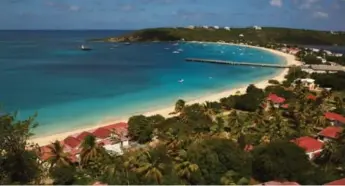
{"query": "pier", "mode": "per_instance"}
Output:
(221, 62)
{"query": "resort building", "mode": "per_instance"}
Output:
(307, 83)
(112, 137)
(337, 182)
(335, 119)
(257, 28)
(329, 133)
(275, 100)
(311, 146)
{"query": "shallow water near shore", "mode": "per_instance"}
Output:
(45, 72)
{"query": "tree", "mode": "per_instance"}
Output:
(268, 160)
(180, 104)
(57, 156)
(63, 175)
(91, 151)
(18, 160)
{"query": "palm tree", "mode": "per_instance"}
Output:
(57, 155)
(90, 150)
(185, 169)
(150, 168)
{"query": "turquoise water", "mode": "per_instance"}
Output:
(45, 72)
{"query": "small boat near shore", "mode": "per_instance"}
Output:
(181, 80)
(85, 48)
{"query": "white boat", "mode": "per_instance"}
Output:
(82, 47)
(181, 80)
(176, 52)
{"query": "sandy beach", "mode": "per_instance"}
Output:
(290, 60)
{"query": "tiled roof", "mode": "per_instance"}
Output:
(335, 117)
(101, 133)
(82, 135)
(331, 132)
(308, 143)
(118, 127)
(44, 153)
(275, 99)
(71, 142)
(337, 182)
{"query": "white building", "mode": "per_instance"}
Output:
(337, 54)
(190, 27)
(241, 35)
(322, 59)
(205, 27)
(216, 27)
(315, 49)
(227, 28)
(307, 83)
(257, 28)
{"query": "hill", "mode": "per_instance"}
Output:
(266, 35)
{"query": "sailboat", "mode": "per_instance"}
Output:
(82, 47)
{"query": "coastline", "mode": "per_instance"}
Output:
(289, 59)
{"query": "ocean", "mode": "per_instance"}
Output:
(45, 72)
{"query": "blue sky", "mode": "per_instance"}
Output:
(135, 14)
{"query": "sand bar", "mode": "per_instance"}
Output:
(290, 60)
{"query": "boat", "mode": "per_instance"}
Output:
(85, 48)
(127, 43)
(176, 52)
(181, 80)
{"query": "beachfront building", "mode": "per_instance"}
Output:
(329, 133)
(311, 146)
(307, 83)
(257, 28)
(335, 119)
(275, 100)
(227, 28)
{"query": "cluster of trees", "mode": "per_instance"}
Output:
(264, 36)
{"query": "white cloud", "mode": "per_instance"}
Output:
(277, 3)
(320, 15)
(307, 4)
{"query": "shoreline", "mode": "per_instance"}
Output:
(280, 76)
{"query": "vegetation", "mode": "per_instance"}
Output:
(242, 139)
(264, 36)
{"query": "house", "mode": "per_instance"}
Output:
(276, 100)
(101, 133)
(329, 133)
(205, 27)
(227, 28)
(216, 27)
(311, 146)
(335, 119)
(71, 142)
(307, 83)
(83, 135)
(190, 27)
(257, 28)
(337, 182)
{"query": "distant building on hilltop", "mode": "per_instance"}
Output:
(205, 27)
(227, 28)
(190, 27)
(257, 28)
(216, 27)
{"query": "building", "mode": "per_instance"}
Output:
(205, 27)
(321, 59)
(327, 68)
(83, 135)
(338, 55)
(337, 182)
(329, 133)
(307, 83)
(241, 35)
(335, 119)
(311, 146)
(275, 100)
(190, 27)
(227, 28)
(257, 28)
(315, 49)
(216, 27)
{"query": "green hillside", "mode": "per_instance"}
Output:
(266, 35)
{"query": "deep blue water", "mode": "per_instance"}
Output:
(45, 72)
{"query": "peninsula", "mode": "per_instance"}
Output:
(235, 35)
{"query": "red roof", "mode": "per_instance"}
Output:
(311, 97)
(82, 135)
(331, 132)
(335, 117)
(275, 99)
(285, 106)
(308, 143)
(248, 148)
(119, 127)
(101, 133)
(71, 142)
(337, 182)
(45, 153)
(280, 183)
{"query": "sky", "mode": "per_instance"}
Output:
(136, 14)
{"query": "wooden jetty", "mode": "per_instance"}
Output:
(221, 62)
